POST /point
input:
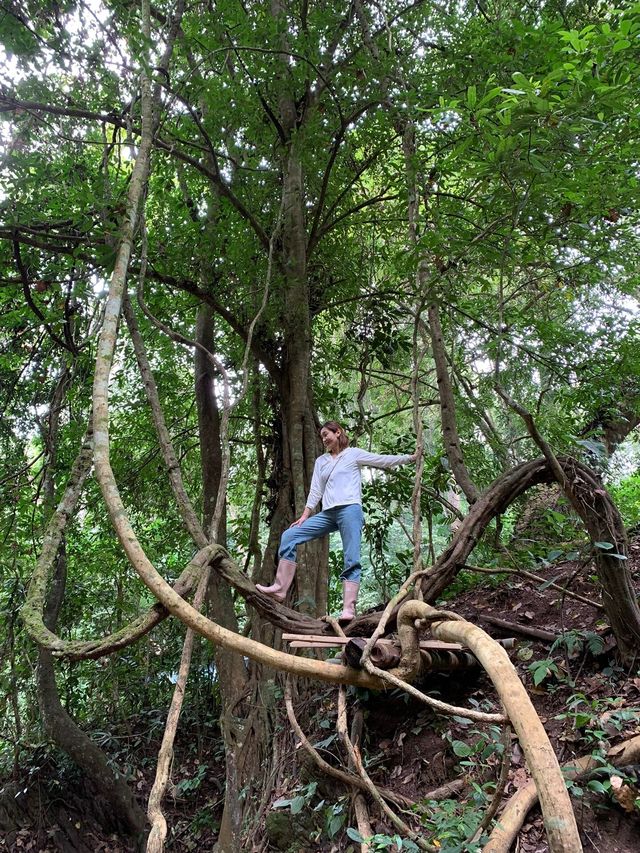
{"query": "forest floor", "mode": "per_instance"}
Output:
(583, 698)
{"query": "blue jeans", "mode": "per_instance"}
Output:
(347, 519)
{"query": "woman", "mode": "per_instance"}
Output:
(337, 479)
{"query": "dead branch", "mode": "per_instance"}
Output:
(532, 576)
(525, 630)
(412, 670)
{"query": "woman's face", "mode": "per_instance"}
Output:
(329, 439)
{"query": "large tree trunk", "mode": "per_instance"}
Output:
(300, 443)
(241, 728)
(122, 810)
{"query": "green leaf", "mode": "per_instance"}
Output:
(540, 674)
(461, 749)
(604, 546)
(297, 804)
(625, 26)
(537, 163)
(354, 835)
(520, 80)
(490, 95)
(334, 824)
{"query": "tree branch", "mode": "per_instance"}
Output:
(24, 278)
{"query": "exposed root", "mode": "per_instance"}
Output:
(348, 779)
(557, 812)
(158, 832)
(514, 813)
(354, 756)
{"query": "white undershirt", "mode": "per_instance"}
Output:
(338, 479)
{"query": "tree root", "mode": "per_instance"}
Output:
(354, 756)
(360, 807)
(560, 823)
(348, 779)
(158, 832)
(514, 813)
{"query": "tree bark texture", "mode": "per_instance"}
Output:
(602, 522)
(232, 673)
(124, 811)
(299, 421)
(450, 437)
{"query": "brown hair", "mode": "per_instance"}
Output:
(334, 426)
